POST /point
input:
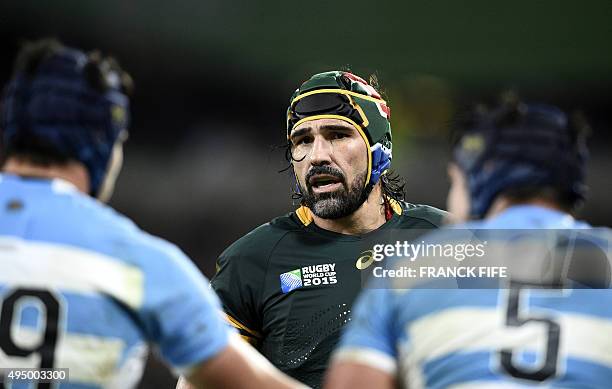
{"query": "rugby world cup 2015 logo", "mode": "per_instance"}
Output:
(291, 280)
(309, 276)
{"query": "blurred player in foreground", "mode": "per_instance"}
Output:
(288, 286)
(81, 287)
(518, 166)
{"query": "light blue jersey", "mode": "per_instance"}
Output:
(487, 338)
(81, 287)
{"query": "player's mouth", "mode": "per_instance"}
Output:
(321, 183)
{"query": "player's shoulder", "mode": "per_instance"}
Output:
(261, 240)
(57, 214)
(96, 226)
(132, 242)
(422, 215)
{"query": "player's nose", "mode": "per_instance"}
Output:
(322, 151)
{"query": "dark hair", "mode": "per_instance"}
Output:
(26, 146)
(393, 186)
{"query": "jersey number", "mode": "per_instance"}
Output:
(549, 367)
(46, 348)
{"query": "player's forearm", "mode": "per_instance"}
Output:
(242, 379)
(239, 366)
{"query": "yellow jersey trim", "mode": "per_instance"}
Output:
(249, 340)
(303, 213)
(236, 324)
(395, 206)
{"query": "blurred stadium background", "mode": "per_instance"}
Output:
(213, 79)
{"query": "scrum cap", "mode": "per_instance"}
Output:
(57, 104)
(520, 145)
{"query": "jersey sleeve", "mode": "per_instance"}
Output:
(431, 217)
(180, 312)
(370, 337)
(239, 282)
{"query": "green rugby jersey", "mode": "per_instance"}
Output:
(288, 285)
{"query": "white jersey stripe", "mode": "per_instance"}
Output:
(66, 268)
(481, 329)
(368, 357)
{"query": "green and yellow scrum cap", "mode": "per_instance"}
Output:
(345, 96)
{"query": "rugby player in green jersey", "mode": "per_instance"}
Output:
(288, 285)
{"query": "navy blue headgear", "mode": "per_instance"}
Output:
(520, 145)
(57, 104)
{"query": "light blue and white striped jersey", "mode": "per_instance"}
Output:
(487, 338)
(81, 287)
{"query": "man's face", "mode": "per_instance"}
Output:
(330, 161)
(458, 201)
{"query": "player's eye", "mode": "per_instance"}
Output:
(338, 135)
(301, 141)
